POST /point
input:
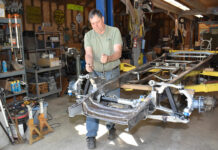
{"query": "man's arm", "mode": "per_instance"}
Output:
(116, 55)
(89, 59)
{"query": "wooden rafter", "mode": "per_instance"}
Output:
(195, 4)
(162, 5)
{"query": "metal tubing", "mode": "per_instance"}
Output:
(144, 79)
(10, 32)
(191, 69)
(41, 106)
(167, 118)
(86, 89)
(189, 52)
(30, 113)
(171, 100)
(120, 101)
(78, 64)
(16, 29)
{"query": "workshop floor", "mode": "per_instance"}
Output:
(69, 133)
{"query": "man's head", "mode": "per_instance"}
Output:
(97, 21)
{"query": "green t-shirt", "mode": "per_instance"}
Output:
(103, 44)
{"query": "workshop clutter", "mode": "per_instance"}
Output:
(19, 114)
(49, 62)
(43, 87)
(12, 85)
(24, 119)
(7, 66)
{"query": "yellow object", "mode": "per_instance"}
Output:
(192, 73)
(203, 87)
(128, 90)
(211, 51)
(44, 127)
(140, 61)
(35, 135)
(205, 73)
(75, 7)
(126, 67)
(154, 70)
(210, 73)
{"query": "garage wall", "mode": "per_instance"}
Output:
(48, 8)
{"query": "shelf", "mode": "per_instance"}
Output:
(45, 45)
(8, 47)
(12, 73)
(42, 50)
(17, 93)
(45, 94)
(6, 20)
(43, 69)
(49, 33)
(17, 74)
(47, 48)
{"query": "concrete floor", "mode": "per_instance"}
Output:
(200, 134)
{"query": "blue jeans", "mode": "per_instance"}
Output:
(92, 123)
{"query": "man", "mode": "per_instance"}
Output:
(103, 47)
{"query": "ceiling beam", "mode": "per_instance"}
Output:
(170, 8)
(195, 4)
(165, 6)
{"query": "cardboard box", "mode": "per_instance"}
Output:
(49, 62)
(43, 87)
(5, 84)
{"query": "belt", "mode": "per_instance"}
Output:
(109, 70)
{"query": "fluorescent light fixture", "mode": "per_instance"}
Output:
(199, 16)
(177, 4)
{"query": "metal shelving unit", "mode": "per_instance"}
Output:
(36, 75)
(12, 73)
(17, 74)
(48, 48)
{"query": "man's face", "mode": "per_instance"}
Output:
(97, 24)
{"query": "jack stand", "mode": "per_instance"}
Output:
(44, 127)
(32, 128)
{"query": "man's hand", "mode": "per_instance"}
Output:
(104, 58)
(89, 68)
